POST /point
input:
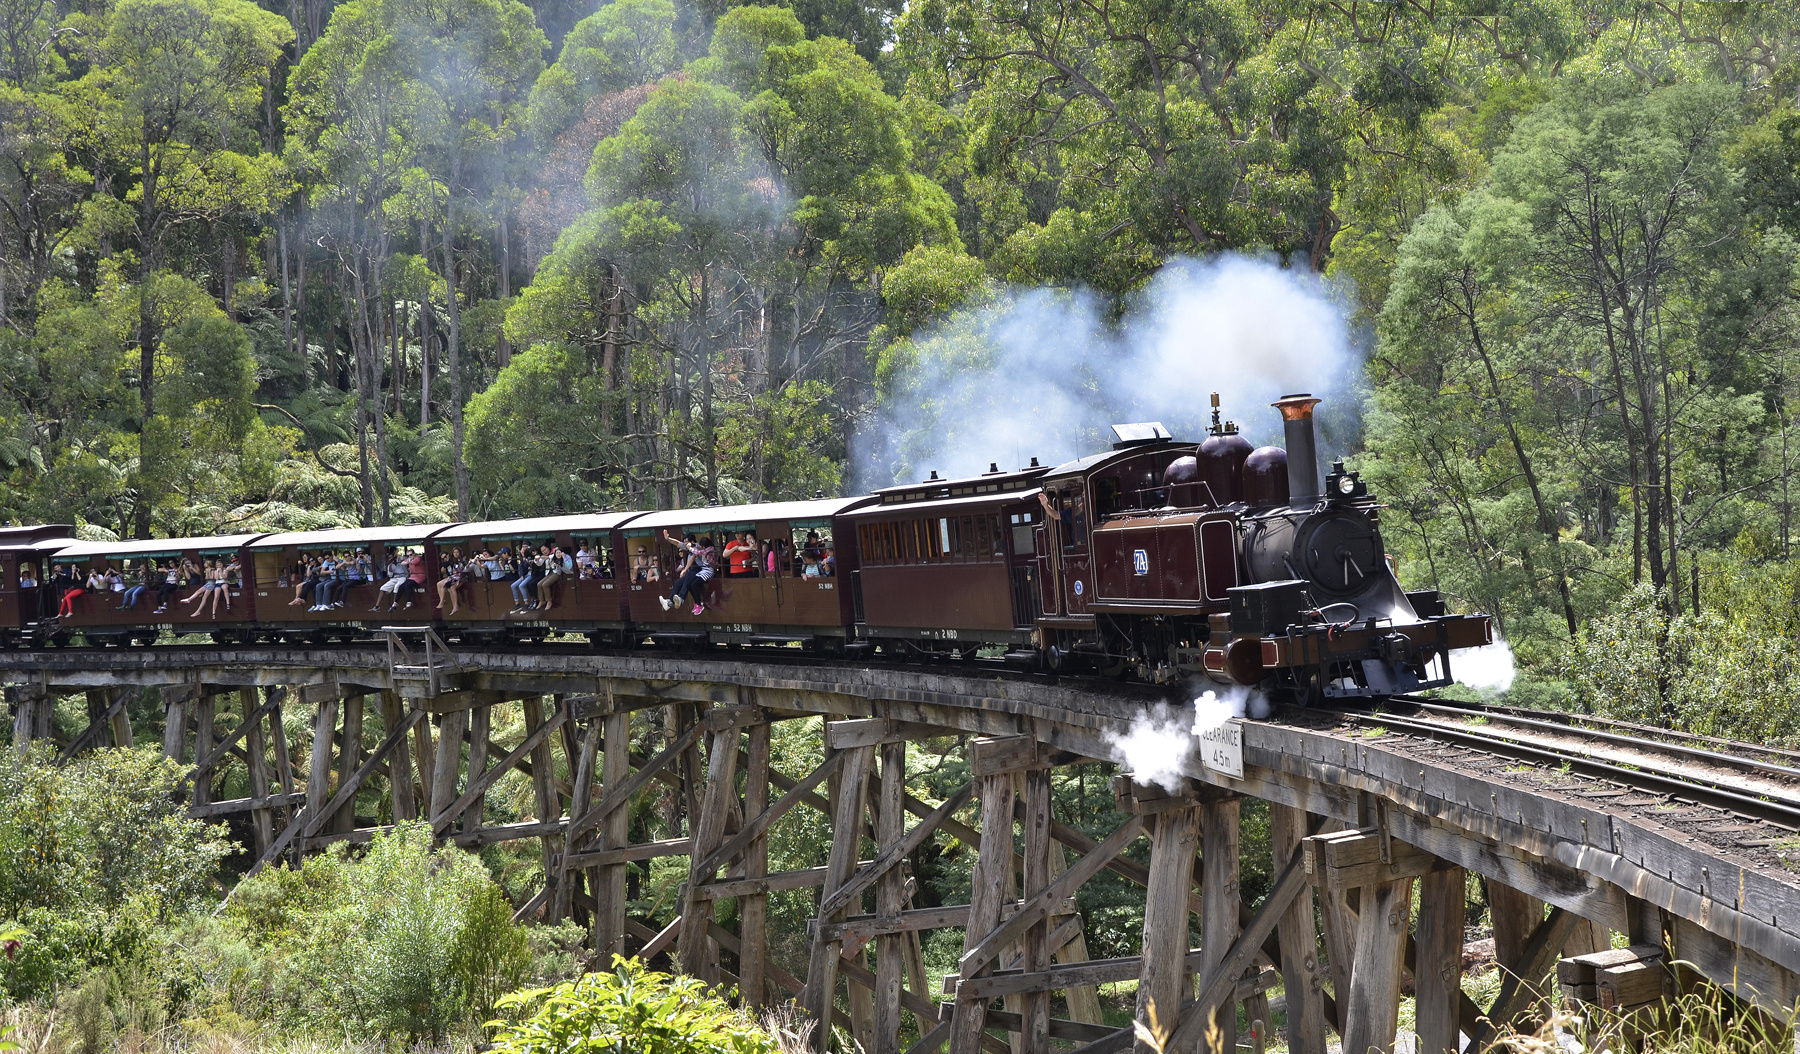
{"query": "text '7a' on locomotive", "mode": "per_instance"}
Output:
(1235, 564)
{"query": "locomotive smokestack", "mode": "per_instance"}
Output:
(1303, 458)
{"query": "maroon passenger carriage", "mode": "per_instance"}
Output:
(277, 561)
(778, 605)
(591, 604)
(99, 618)
(946, 567)
(27, 609)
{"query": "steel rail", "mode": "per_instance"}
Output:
(1565, 717)
(1714, 756)
(1699, 791)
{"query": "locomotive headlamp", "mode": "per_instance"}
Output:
(1344, 483)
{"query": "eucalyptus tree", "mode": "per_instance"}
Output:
(400, 112)
(349, 125)
(623, 44)
(751, 206)
(1578, 360)
(172, 94)
(473, 63)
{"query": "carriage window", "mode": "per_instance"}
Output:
(1074, 522)
(1024, 535)
(28, 576)
(1108, 497)
(811, 549)
(598, 563)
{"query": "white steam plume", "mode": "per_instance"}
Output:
(1160, 746)
(1042, 372)
(1489, 668)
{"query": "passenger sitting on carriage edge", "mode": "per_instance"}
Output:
(557, 566)
(696, 570)
(308, 586)
(328, 579)
(531, 568)
(417, 577)
(356, 572)
(390, 589)
(146, 572)
(171, 581)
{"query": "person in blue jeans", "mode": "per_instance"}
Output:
(698, 568)
(136, 592)
(531, 567)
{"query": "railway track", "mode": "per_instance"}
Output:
(1739, 779)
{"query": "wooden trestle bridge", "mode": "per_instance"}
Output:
(1357, 821)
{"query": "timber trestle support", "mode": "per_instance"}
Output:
(623, 760)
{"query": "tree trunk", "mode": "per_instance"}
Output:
(287, 295)
(147, 334)
(709, 432)
(227, 266)
(424, 363)
(1546, 521)
(300, 292)
(454, 312)
(609, 349)
(384, 484)
(360, 354)
(503, 351)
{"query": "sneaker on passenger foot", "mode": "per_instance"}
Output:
(698, 608)
(664, 601)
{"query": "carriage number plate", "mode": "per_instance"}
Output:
(1222, 749)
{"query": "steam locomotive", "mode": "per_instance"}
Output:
(1156, 559)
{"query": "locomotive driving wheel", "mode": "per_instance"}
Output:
(1309, 687)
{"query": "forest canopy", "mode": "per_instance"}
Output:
(277, 265)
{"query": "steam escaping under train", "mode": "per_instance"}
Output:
(1156, 559)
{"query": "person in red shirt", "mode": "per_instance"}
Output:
(741, 552)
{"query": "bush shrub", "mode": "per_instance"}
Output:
(404, 941)
(629, 1010)
(1725, 671)
(95, 857)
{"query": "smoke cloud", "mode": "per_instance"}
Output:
(1489, 668)
(1161, 746)
(1043, 372)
